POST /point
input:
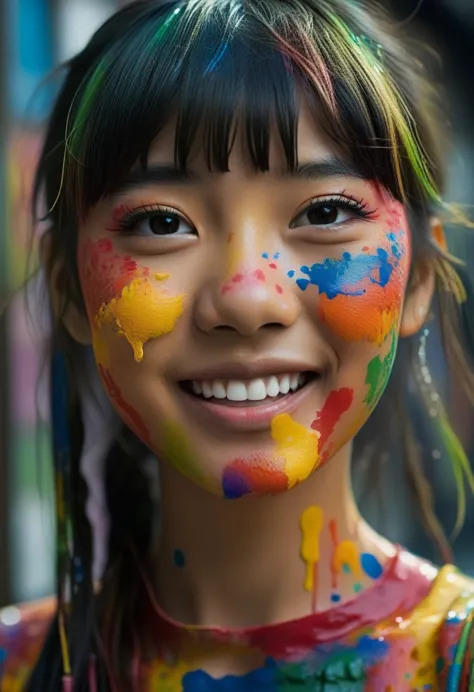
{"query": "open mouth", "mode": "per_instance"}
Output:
(260, 390)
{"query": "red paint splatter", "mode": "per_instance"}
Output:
(104, 274)
(337, 403)
(259, 275)
(130, 416)
(366, 248)
(272, 265)
(260, 477)
(117, 215)
(237, 278)
(278, 288)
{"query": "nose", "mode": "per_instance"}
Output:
(256, 295)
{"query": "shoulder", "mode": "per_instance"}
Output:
(23, 629)
(456, 636)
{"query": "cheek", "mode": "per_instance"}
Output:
(129, 299)
(361, 295)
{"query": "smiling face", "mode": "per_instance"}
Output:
(245, 324)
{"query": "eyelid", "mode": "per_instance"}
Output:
(145, 211)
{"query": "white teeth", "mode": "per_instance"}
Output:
(197, 389)
(256, 390)
(285, 384)
(206, 390)
(273, 388)
(248, 390)
(236, 391)
(218, 390)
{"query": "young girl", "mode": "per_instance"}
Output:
(243, 202)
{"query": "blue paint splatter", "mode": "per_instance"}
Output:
(348, 276)
(234, 485)
(335, 597)
(265, 255)
(346, 568)
(344, 276)
(371, 565)
(179, 558)
(276, 255)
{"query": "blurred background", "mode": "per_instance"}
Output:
(37, 35)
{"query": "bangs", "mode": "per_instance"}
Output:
(214, 67)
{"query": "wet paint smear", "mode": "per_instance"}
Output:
(297, 446)
(371, 565)
(338, 402)
(179, 558)
(348, 276)
(311, 525)
(252, 477)
(141, 313)
(378, 373)
(131, 417)
(176, 449)
(360, 296)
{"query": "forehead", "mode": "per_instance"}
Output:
(313, 143)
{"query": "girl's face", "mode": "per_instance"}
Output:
(245, 324)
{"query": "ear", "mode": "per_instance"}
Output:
(71, 315)
(421, 290)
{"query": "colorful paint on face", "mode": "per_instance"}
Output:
(176, 449)
(296, 446)
(124, 296)
(311, 525)
(378, 373)
(360, 296)
(141, 313)
(244, 278)
(130, 416)
(252, 477)
(337, 403)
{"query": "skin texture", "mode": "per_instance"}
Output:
(254, 280)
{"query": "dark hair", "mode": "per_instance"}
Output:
(195, 61)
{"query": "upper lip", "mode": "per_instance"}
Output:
(250, 370)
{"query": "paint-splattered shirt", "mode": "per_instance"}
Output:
(410, 631)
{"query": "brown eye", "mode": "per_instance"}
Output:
(330, 212)
(160, 223)
(322, 214)
(164, 224)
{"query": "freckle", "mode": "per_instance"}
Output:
(259, 275)
(272, 265)
(237, 278)
(230, 236)
(278, 288)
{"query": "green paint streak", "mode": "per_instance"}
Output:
(94, 84)
(378, 372)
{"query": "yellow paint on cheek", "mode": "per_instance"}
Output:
(311, 524)
(297, 446)
(141, 313)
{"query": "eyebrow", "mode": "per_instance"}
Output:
(331, 167)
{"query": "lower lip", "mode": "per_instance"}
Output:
(246, 417)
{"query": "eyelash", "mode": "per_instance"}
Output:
(130, 219)
(343, 201)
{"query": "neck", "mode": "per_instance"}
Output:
(254, 561)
